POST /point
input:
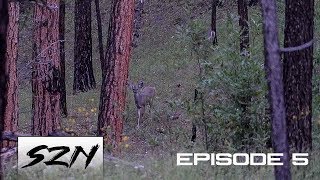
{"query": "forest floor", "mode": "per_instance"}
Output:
(163, 62)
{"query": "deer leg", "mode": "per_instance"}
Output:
(139, 116)
(150, 105)
(142, 111)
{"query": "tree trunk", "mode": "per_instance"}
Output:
(3, 76)
(253, 3)
(63, 100)
(137, 23)
(244, 27)
(113, 90)
(100, 37)
(220, 3)
(46, 70)
(298, 65)
(214, 22)
(83, 71)
(273, 69)
(11, 109)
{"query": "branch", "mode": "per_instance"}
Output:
(34, 60)
(297, 48)
(50, 45)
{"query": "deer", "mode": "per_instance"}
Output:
(143, 96)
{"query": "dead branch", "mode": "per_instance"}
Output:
(297, 48)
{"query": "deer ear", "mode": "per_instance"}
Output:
(129, 84)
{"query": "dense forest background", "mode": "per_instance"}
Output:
(209, 97)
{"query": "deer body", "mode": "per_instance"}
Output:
(143, 96)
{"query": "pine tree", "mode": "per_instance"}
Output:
(11, 110)
(214, 22)
(273, 69)
(62, 12)
(244, 27)
(3, 49)
(83, 71)
(118, 53)
(46, 70)
(297, 72)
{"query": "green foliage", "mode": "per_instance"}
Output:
(233, 88)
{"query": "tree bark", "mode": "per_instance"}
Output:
(214, 22)
(11, 109)
(244, 27)
(46, 70)
(100, 37)
(63, 100)
(298, 66)
(83, 71)
(113, 90)
(273, 69)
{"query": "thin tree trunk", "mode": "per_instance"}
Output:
(194, 125)
(11, 110)
(46, 70)
(298, 66)
(214, 22)
(3, 77)
(220, 3)
(62, 12)
(253, 2)
(100, 37)
(273, 69)
(244, 27)
(137, 21)
(83, 71)
(113, 89)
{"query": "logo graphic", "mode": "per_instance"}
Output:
(60, 155)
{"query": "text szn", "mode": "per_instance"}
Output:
(60, 151)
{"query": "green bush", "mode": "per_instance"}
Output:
(233, 104)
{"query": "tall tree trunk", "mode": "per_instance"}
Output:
(137, 23)
(273, 69)
(11, 109)
(244, 27)
(100, 37)
(3, 76)
(253, 2)
(214, 22)
(63, 100)
(298, 65)
(113, 89)
(83, 71)
(46, 70)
